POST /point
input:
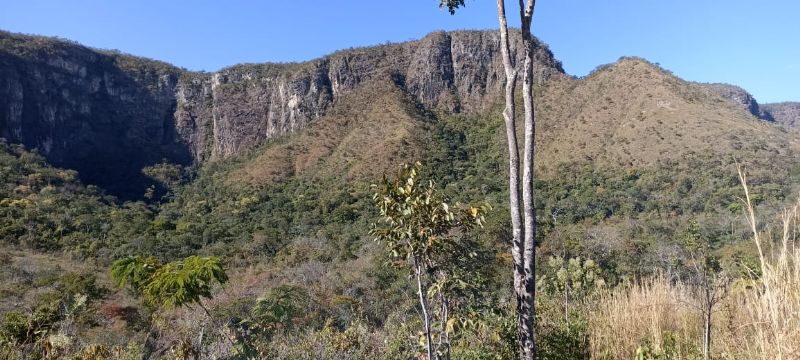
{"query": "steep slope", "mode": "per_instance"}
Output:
(786, 113)
(108, 115)
(366, 133)
(740, 97)
(629, 152)
(632, 113)
(103, 114)
(627, 115)
(627, 156)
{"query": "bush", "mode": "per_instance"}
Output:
(14, 327)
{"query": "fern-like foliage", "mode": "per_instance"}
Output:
(184, 282)
(280, 306)
(135, 271)
(171, 285)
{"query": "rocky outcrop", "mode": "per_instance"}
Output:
(241, 106)
(108, 114)
(100, 113)
(785, 113)
(738, 96)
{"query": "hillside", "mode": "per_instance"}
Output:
(786, 113)
(71, 102)
(632, 113)
(367, 133)
(269, 167)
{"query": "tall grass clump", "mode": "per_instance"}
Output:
(653, 318)
(773, 306)
(645, 317)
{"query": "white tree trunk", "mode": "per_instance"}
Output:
(528, 206)
(523, 239)
(423, 303)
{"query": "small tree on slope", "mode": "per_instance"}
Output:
(424, 232)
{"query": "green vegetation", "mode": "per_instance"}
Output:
(645, 246)
(175, 284)
(629, 222)
(423, 230)
(290, 222)
(63, 308)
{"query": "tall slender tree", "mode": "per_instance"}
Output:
(523, 216)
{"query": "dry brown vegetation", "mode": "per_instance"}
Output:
(759, 320)
(648, 312)
(633, 113)
(367, 133)
(616, 149)
(629, 114)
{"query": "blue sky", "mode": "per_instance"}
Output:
(752, 44)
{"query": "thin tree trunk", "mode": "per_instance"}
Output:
(424, 304)
(707, 336)
(518, 239)
(566, 303)
(523, 247)
(513, 149)
(529, 254)
(200, 338)
(445, 319)
(708, 307)
(210, 319)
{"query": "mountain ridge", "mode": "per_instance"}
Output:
(634, 113)
(786, 113)
(109, 115)
(626, 158)
(70, 101)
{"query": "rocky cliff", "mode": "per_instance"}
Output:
(103, 114)
(108, 114)
(738, 96)
(786, 113)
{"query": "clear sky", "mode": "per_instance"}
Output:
(753, 44)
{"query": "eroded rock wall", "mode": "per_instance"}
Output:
(107, 114)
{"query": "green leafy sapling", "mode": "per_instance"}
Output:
(424, 231)
(175, 284)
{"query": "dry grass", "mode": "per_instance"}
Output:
(633, 114)
(629, 114)
(366, 133)
(759, 320)
(773, 307)
(651, 312)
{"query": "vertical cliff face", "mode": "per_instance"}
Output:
(429, 76)
(234, 109)
(786, 113)
(251, 104)
(103, 114)
(738, 96)
(108, 115)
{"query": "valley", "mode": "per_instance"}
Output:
(269, 167)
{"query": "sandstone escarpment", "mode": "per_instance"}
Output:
(739, 97)
(100, 113)
(108, 114)
(786, 113)
(239, 107)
